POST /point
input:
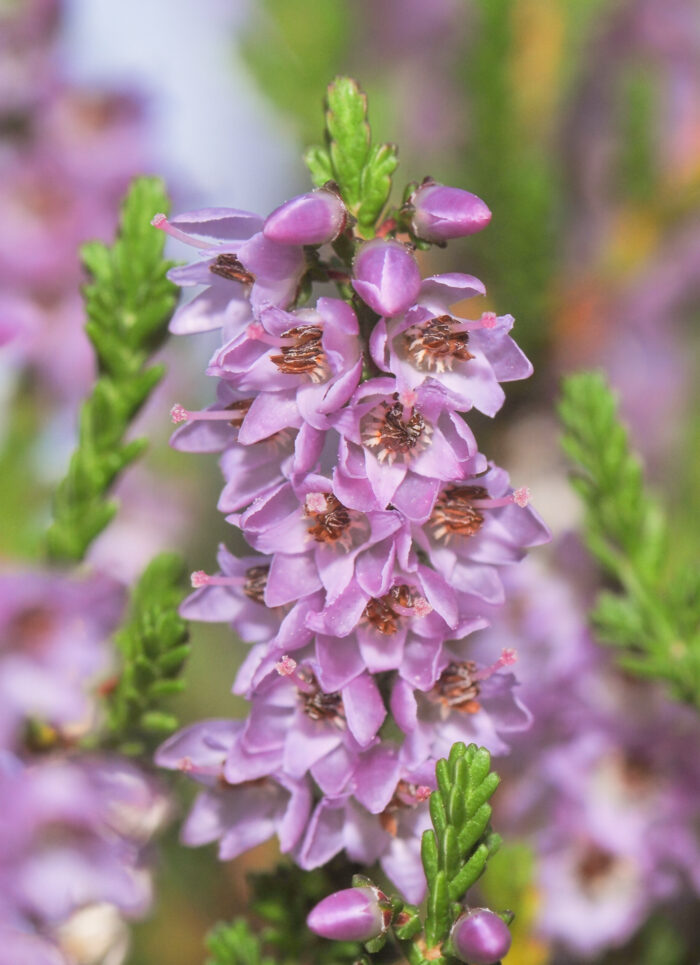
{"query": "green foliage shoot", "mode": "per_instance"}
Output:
(455, 851)
(153, 646)
(128, 302)
(652, 613)
(362, 170)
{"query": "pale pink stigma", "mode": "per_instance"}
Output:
(521, 497)
(421, 607)
(199, 578)
(317, 503)
(489, 319)
(257, 333)
(286, 666)
(179, 414)
(423, 792)
(185, 765)
(408, 399)
(507, 659)
(161, 222)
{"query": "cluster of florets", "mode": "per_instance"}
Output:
(74, 826)
(378, 530)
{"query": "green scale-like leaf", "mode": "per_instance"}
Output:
(455, 852)
(153, 645)
(128, 302)
(361, 170)
(653, 619)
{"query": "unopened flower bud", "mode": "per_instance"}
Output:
(442, 213)
(386, 276)
(309, 219)
(481, 937)
(351, 915)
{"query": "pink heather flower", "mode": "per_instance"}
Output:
(468, 358)
(386, 276)
(309, 219)
(386, 442)
(477, 526)
(442, 213)
(308, 359)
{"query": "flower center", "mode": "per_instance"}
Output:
(317, 705)
(255, 583)
(305, 356)
(395, 431)
(331, 522)
(384, 613)
(406, 795)
(454, 514)
(31, 628)
(228, 266)
(457, 688)
(594, 865)
(437, 344)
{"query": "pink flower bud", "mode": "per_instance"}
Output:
(351, 915)
(309, 219)
(386, 276)
(442, 213)
(480, 937)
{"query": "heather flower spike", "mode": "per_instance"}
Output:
(378, 536)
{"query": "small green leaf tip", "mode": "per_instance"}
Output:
(654, 617)
(361, 170)
(153, 647)
(455, 851)
(128, 303)
(233, 943)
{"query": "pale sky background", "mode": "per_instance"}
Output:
(212, 131)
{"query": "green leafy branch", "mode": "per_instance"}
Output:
(153, 645)
(233, 943)
(653, 615)
(362, 170)
(128, 303)
(455, 851)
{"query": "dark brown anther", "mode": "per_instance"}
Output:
(256, 581)
(238, 410)
(405, 796)
(385, 430)
(228, 266)
(380, 612)
(305, 356)
(437, 344)
(456, 688)
(454, 514)
(320, 706)
(330, 526)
